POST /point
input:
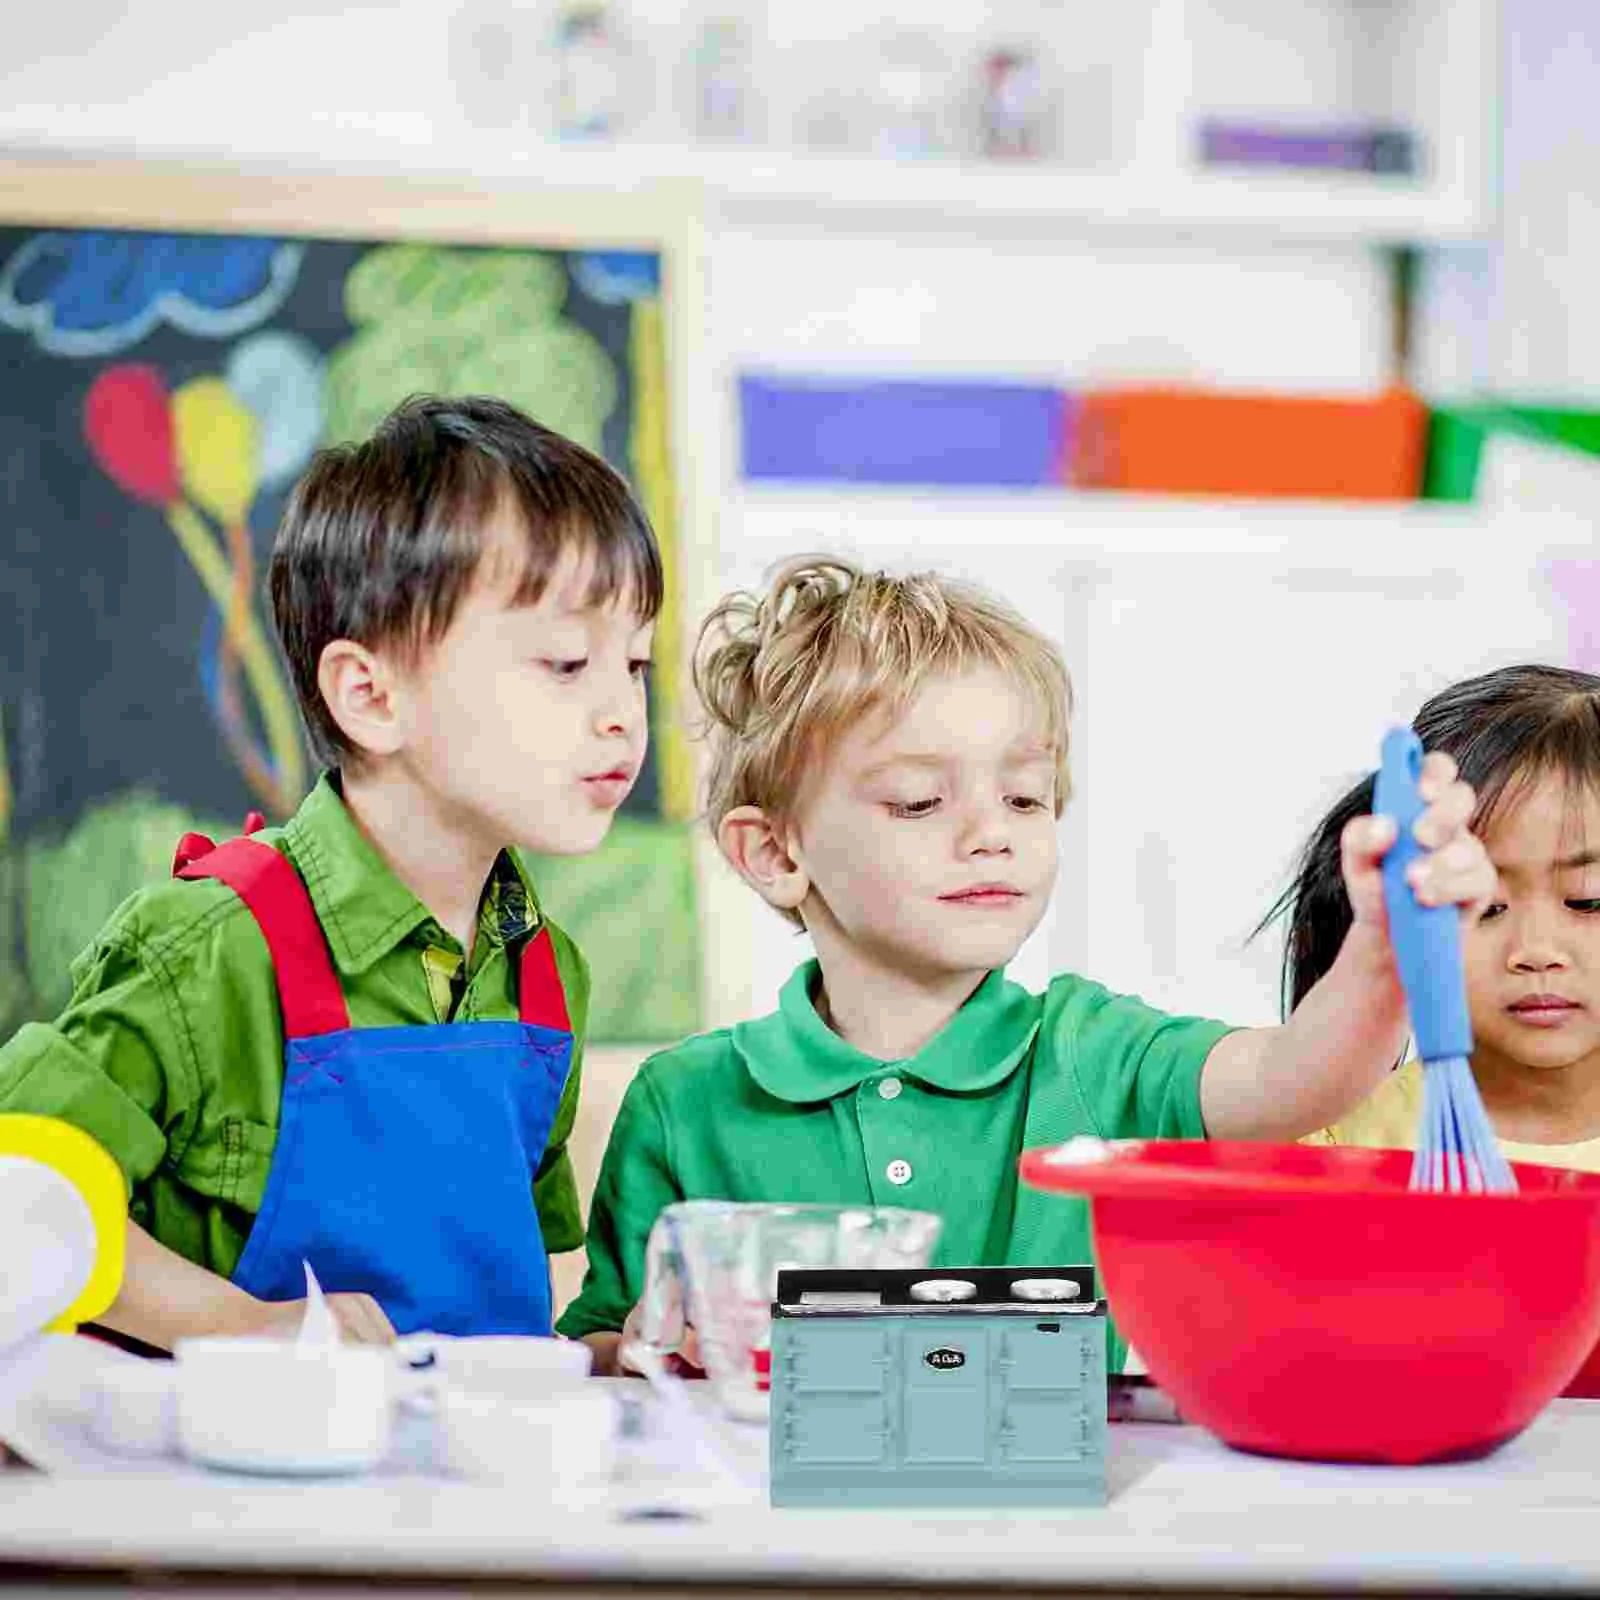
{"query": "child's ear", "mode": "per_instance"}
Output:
(756, 850)
(360, 690)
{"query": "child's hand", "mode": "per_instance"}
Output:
(685, 1363)
(1456, 869)
(360, 1318)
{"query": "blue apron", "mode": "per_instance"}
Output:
(406, 1156)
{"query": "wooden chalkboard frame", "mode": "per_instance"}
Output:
(665, 217)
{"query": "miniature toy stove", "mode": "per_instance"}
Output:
(956, 1387)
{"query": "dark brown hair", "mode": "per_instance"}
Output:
(1504, 730)
(382, 540)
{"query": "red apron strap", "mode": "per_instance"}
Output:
(190, 849)
(541, 999)
(308, 987)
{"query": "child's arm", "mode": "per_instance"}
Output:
(1282, 1083)
(1348, 1032)
(636, 1181)
(120, 1063)
(165, 1298)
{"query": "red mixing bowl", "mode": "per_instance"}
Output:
(1586, 1386)
(1300, 1300)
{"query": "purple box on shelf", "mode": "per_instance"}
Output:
(932, 434)
(1333, 148)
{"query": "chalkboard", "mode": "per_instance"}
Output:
(162, 391)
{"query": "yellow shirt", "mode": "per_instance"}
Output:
(1389, 1117)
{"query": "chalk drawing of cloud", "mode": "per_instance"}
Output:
(614, 277)
(92, 294)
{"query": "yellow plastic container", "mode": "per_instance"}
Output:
(84, 1163)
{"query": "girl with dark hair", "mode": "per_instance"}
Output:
(1527, 740)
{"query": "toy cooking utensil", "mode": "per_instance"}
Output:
(976, 1386)
(1456, 1147)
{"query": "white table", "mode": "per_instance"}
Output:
(1185, 1514)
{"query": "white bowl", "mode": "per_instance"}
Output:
(268, 1406)
(524, 1368)
(566, 1442)
(133, 1408)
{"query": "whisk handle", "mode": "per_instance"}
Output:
(1426, 939)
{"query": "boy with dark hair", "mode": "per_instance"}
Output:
(352, 1041)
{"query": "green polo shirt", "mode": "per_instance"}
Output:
(170, 1051)
(783, 1109)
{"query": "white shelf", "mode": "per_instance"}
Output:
(799, 189)
(1160, 65)
(782, 186)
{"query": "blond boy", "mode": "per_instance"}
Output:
(889, 765)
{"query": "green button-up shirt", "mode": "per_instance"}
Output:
(170, 1051)
(783, 1109)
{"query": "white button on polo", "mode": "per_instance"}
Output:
(898, 1172)
(889, 1088)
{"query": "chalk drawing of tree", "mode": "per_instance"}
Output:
(431, 320)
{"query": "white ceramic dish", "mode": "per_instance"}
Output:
(265, 1406)
(517, 1367)
(567, 1442)
(133, 1408)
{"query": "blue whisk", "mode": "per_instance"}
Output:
(1456, 1148)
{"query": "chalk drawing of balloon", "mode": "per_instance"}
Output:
(171, 452)
(279, 377)
(129, 425)
(214, 438)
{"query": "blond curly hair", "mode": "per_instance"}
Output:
(783, 675)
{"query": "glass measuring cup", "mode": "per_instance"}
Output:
(715, 1263)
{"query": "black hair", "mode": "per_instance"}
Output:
(382, 540)
(1504, 730)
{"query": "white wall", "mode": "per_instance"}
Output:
(1520, 315)
(1545, 337)
(368, 85)
(1073, 309)
(1235, 666)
